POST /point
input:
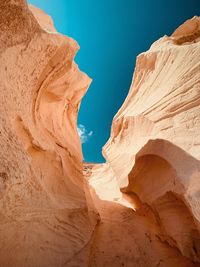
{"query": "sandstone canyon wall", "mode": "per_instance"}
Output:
(44, 219)
(140, 208)
(153, 152)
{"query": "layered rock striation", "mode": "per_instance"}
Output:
(140, 208)
(153, 151)
(44, 219)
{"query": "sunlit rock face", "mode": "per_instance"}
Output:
(140, 208)
(44, 218)
(153, 154)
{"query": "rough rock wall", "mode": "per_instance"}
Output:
(44, 219)
(163, 101)
(154, 149)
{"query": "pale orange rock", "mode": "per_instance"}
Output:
(44, 219)
(140, 208)
(154, 150)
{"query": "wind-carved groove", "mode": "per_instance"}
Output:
(154, 181)
(25, 136)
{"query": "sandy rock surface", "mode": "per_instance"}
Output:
(154, 148)
(44, 219)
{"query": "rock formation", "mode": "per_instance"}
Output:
(154, 150)
(44, 219)
(140, 208)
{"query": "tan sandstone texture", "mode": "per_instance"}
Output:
(44, 220)
(139, 209)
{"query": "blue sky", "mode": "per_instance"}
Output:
(111, 33)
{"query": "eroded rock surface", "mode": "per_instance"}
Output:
(141, 208)
(153, 152)
(44, 220)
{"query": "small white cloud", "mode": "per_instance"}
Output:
(83, 133)
(90, 133)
